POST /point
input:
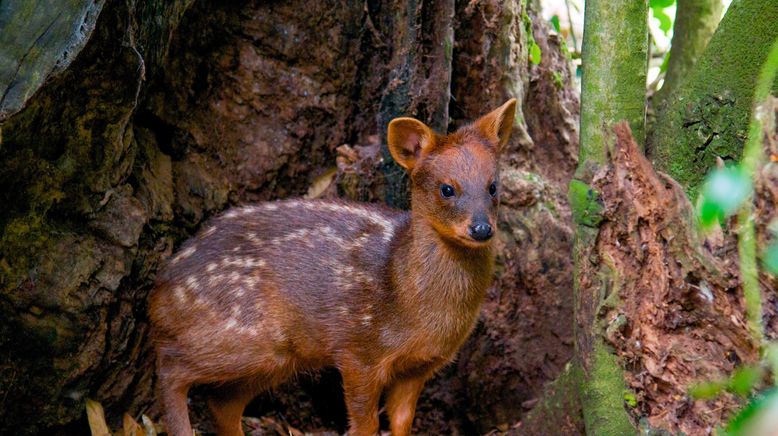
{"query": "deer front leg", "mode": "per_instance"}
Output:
(401, 403)
(362, 392)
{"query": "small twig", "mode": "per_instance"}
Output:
(572, 28)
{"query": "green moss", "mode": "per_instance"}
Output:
(557, 79)
(560, 403)
(585, 204)
(603, 394)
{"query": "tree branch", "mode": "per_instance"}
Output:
(695, 22)
(708, 116)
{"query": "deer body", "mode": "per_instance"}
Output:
(388, 297)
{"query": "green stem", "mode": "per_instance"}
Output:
(752, 157)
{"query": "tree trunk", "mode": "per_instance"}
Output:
(695, 22)
(156, 126)
(658, 306)
(707, 117)
(666, 300)
(615, 55)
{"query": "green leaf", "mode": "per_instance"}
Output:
(770, 258)
(665, 22)
(710, 213)
(660, 3)
(555, 22)
(534, 53)
(706, 390)
(630, 398)
(744, 379)
(723, 192)
(759, 414)
(665, 61)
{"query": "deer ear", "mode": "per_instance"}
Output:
(496, 126)
(407, 138)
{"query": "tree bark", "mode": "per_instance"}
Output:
(39, 41)
(708, 115)
(615, 54)
(420, 79)
(695, 22)
(665, 299)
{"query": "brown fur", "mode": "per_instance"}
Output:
(387, 297)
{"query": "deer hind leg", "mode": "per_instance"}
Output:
(401, 403)
(228, 401)
(176, 413)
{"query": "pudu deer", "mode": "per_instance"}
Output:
(388, 297)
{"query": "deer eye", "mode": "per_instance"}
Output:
(493, 189)
(447, 191)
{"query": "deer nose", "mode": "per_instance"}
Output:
(481, 231)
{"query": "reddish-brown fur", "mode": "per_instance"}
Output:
(387, 297)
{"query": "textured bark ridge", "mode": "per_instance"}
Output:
(670, 302)
(38, 42)
(175, 110)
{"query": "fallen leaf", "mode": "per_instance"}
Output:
(96, 417)
(131, 427)
(321, 183)
(148, 426)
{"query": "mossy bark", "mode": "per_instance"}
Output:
(695, 22)
(559, 411)
(615, 53)
(708, 116)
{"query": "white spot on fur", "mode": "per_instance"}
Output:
(180, 293)
(215, 280)
(359, 211)
(187, 252)
(211, 267)
(209, 231)
(271, 206)
(362, 213)
(192, 283)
